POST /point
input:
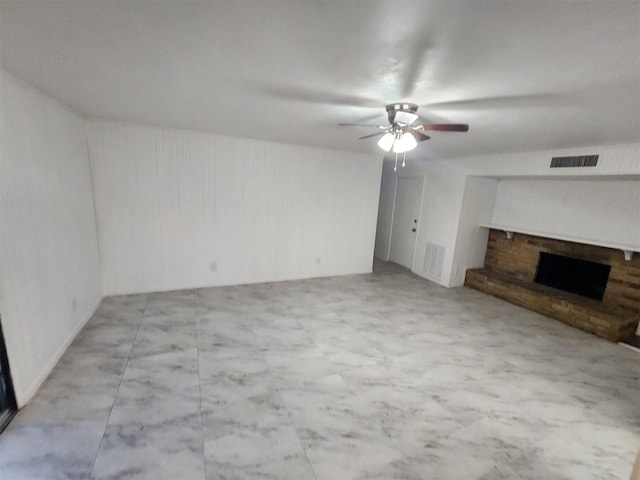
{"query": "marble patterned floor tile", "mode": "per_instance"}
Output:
(270, 338)
(154, 339)
(267, 447)
(355, 454)
(501, 472)
(79, 389)
(299, 368)
(225, 332)
(159, 311)
(382, 376)
(119, 304)
(454, 465)
(104, 340)
(165, 451)
(148, 402)
(234, 369)
(59, 405)
(409, 418)
(123, 311)
(177, 369)
(402, 469)
(247, 406)
(584, 450)
(34, 451)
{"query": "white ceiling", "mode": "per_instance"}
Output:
(526, 75)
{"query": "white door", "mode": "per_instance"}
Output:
(404, 229)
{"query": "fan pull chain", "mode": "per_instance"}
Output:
(404, 161)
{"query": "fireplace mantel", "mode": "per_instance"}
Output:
(628, 250)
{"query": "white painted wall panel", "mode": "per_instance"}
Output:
(471, 241)
(385, 211)
(171, 202)
(614, 160)
(601, 210)
(49, 250)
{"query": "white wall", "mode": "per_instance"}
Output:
(600, 210)
(385, 211)
(181, 209)
(49, 251)
(471, 241)
(615, 160)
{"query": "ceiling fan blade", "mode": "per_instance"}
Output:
(415, 60)
(361, 125)
(500, 101)
(571, 97)
(446, 127)
(377, 134)
(308, 95)
(419, 136)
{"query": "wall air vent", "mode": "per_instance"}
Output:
(433, 260)
(576, 161)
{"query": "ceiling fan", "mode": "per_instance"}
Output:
(403, 133)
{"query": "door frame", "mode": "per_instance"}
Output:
(393, 214)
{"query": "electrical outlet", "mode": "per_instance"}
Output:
(213, 266)
(318, 260)
(74, 305)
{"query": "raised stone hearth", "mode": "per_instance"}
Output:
(510, 269)
(583, 313)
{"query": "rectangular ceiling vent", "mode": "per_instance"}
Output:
(576, 161)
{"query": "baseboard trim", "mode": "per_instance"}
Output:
(31, 391)
(631, 347)
(230, 283)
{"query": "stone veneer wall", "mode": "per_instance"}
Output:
(519, 258)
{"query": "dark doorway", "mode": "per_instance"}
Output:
(7, 396)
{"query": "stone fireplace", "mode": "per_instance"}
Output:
(511, 265)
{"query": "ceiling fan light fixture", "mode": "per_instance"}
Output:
(405, 143)
(387, 141)
(405, 117)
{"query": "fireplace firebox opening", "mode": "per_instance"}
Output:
(582, 277)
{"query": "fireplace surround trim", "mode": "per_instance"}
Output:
(627, 249)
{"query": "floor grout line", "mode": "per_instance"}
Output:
(279, 391)
(115, 398)
(197, 323)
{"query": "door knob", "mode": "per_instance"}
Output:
(413, 229)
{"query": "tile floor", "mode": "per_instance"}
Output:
(383, 376)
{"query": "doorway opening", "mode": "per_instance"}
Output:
(8, 404)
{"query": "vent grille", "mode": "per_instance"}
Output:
(433, 260)
(577, 161)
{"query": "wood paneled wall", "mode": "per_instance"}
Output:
(50, 272)
(181, 209)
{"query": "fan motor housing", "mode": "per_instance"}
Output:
(407, 107)
(392, 108)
